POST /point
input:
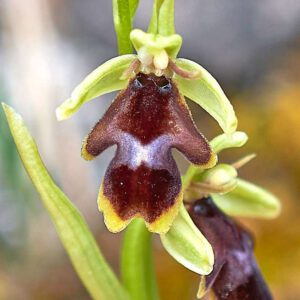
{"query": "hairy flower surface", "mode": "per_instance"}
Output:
(235, 275)
(145, 121)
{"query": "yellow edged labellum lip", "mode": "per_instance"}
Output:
(145, 121)
(115, 224)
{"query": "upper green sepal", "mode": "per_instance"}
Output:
(248, 200)
(105, 79)
(185, 243)
(206, 92)
(162, 20)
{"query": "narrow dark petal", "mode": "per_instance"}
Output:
(236, 275)
(145, 121)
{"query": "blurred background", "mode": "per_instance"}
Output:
(47, 47)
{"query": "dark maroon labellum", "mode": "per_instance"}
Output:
(235, 275)
(145, 121)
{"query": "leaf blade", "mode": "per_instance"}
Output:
(74, 233)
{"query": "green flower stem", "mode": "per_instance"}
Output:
(72, 229)
(188, 176)
(137, 266)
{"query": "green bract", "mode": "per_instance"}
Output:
(105, 79)
(74, 233)
(248, 200)
(187, 244)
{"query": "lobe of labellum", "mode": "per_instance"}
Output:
(145, 120)
(206, 92)
(235, 274)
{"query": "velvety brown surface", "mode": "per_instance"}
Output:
(145, 190)
(146, 120)
(236, 275)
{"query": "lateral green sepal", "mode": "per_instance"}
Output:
(248, 200)
(105, 79)
(186, 244)
(207, 93)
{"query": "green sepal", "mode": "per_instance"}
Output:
(137, 265)
(71, 227)
(207, 93)
(186, 244)
(162, 20)
(248, 200)
(225, 141)
(105, 79)
(153, 25)
(154, 43)
(123, 14)
(133, 5)
(166, 18)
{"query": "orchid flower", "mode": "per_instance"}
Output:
(149, 117)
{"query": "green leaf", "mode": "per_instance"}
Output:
(153, 25)
(137, 262)
(105, 79)
(225, 141)
(166, 18)
(248, 200)
(186, 244)
(74, 233)
(207, 93)
(122, 16)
